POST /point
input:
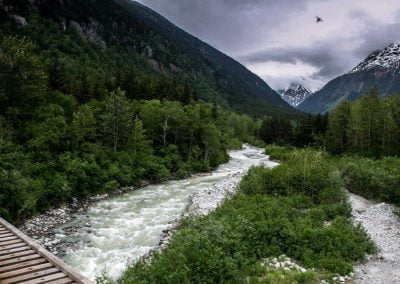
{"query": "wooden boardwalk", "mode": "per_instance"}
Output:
(22, 260)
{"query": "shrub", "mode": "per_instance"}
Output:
(298, 209)
(278, 152)
(306, 171)
(374, 179)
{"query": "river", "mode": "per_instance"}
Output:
(119, 230)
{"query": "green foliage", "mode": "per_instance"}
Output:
(373, 179)
(308, 131)
(22, 77)
(285, 277)
(77, 119)
(279, 153)
(71, 149)
(298, 209)
(117, 119)
(369, 127)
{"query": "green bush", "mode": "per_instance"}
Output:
(278, 152)
(298, 209)
(306, 171)
(373, 179)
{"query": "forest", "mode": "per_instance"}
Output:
(369, 127)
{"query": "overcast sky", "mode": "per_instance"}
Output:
(281, 41)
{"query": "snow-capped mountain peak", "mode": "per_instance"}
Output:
(388, 57)
(295, 94)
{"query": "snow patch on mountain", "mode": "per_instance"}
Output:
(388, 57)
(295, 94)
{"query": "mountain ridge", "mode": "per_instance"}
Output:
(295, 94)
(380, 69)
(249, 82)
(144, 34)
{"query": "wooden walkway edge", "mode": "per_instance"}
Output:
(22, 260)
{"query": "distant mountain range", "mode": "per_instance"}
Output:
(380, 69)
(295, 94)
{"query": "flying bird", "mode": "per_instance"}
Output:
(319, 19)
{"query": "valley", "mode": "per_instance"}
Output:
(174, 142)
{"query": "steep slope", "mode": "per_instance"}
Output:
(380, 69)
(295, 94)
(167, 49)
(238, 85)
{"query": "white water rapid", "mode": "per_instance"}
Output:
(118, 230)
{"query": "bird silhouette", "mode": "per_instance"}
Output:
(318, 19)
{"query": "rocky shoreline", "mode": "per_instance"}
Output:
(383, 226)
(50, 231)
(42, 228)
(201, 203)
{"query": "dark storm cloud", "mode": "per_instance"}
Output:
(230, 25)
(375, 34)
(330, 57)
(322, 56)
(284, 31)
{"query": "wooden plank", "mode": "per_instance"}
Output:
(2, 248)
(16, 254)
(7, 234)
(30, 276)
(12, 237)
(10, 251)
(20, 265)
(20, 259)
(45, 279)
(44, 253)
(6, 243)
(25, 270)
(65, 280)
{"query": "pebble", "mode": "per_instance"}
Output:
(383, 227)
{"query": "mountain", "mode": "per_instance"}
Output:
(141, 33)
(295, 94)
(240, 87)
(380, 69)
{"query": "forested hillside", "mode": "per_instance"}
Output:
(231, 78)
(82, 111)
(152, 42)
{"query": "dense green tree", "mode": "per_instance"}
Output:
(137, 138)
(83, 126)
(117, 119)
(339, 124)
(369, 126)
(22, 77)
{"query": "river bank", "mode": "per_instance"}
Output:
(383, 226)
(108, 232)
(42, 228)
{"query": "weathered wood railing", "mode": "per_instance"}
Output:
(22, 260)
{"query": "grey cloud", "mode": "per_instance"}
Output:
(375, 34)
(239, 26)
(322, 56)
(230, 25)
